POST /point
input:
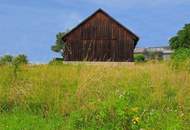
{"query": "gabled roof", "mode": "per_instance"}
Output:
(106, 14)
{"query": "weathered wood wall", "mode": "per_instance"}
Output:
(99, 39)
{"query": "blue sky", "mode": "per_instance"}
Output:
(30, 26)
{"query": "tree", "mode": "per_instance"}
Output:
(59, 44)
(182, 39)
(20, 59)
(6, 60)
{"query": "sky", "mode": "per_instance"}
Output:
(30, 26)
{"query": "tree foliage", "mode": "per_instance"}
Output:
(59, 44)
(181, 54)
(182, 39)
(181, 59)
(56, 61)
(6, 59)
(10, 60)
(20, 59)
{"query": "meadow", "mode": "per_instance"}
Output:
(147, 96)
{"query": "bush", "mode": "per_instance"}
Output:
(6, 60)
(180, 58)
(20, 59)
(139, 58)
(56, 61)
(181, 54)
(10, 60)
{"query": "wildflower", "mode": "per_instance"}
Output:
(135, 120)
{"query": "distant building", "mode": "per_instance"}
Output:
(156, 52)
(139, 50)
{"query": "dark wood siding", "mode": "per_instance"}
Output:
(99, 39)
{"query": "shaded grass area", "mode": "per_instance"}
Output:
(19, 120)
(68, 97)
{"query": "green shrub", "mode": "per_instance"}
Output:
(181, 59)
(10, 60)
(56, 61)
(139, 58)
(181, 54)
(6, 60)
(20, 59)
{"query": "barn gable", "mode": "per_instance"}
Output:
(99, 38)
(106, 16)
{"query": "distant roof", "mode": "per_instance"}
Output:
(139, 50)
(163, 49)
(102, 11)
(168, 51)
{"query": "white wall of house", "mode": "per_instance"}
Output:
(166, 51)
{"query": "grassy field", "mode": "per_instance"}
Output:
(148, 96)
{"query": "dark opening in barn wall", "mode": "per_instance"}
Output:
(99, 38)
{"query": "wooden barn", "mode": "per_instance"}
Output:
(100, 38)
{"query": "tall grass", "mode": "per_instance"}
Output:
(149, 96)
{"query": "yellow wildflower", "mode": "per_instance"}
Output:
(135, 120)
